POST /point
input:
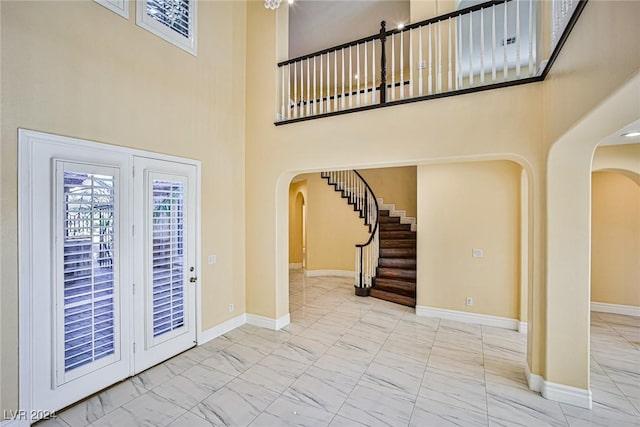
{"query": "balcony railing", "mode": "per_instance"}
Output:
(485, 46)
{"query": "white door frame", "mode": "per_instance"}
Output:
(27, 141)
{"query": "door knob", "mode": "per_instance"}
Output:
(193, 279)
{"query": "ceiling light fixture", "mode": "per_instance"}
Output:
(631, 134)
(400, 26)
(274, 4)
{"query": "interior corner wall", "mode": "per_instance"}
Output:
(615, 239)
(77, 69)
(461, 207)
(333, 228)
(296, 190)
(394, 185)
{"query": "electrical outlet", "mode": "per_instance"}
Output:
(231, 308)
(477, 253)
(211, 259)
(468, 301)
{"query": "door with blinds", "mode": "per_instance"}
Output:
(107, 265)
(165, 278)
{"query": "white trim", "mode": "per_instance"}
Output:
(566, 394)
(558, 392)
(404, 219)
(534, 381)
(339, 273)
(221, 329)
(295, 265)
(627, 310)
(523, 327)
(121, 7)
(267, 322)
(14, 423)
(462, 316)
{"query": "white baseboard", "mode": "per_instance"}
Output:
(462, 316)
(627, 310)
(566, 394)
(339, 273)
(535, 381)
(295, 265)
(221, 329)
(523, 327)
(558, 392)
(267, 322)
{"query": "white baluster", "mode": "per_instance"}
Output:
(471, 49)
(289, 112)
(411, 63)
(459, 62)
(366, 74)
(321, 85)
(373, 71)
(439, 62)
(343, 105)
(282, 110)
(295, 90)
(494, 46)
(420, 61)
(302, 88)
(335, 80)
(450, 67)
(358, 75)
(315, 100)
(393, 66)
(402, 65)
(350, 78)
(328, 82)
(518, 38)
(482, 45)
(308, 87)
(531, 65)
(430, 74)
(505, 69)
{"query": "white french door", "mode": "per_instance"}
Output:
(165, 243)
(107, 265)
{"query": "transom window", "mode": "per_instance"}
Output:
(172, 20)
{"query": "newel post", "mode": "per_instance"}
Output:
(383, 63)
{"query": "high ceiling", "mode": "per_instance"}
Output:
(318, 24)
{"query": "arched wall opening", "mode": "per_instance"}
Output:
(566, 373)
(518, 194)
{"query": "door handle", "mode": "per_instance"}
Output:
(193, 279)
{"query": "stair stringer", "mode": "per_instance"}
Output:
(402, 214)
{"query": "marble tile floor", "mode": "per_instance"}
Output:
(351, 361)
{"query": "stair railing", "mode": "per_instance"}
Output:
(359, 194)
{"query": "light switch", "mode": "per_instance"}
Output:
(477, 253)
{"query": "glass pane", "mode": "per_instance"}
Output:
(88, 262)
(167, 253)
(172, 13)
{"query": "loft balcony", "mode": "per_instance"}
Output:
(480, 46)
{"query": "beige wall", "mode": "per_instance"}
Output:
(77, 69)
(394, 185)
(461, 207)
(297, 197)
(333, 228)
(615, 239)
(591, 92)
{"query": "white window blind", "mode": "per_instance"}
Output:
(88, 262)
(168, 256)
(172, 20)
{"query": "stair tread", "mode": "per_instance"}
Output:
(397, 234)
(388, 296)
(398, 252)
(392, 273)
(396, 262)
(397, 243)
(387, 226)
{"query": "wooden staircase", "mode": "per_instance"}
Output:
(395, 279)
